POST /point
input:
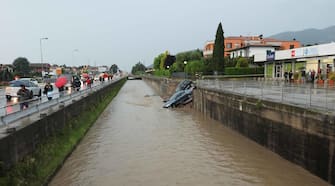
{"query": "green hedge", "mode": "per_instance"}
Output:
(244, 70)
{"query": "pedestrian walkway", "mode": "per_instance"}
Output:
(305, 95)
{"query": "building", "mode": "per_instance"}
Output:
(251, 51)
(8, 67)
(235, 42)
(318, 58)
(39, 67)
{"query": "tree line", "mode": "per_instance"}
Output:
(193, 62)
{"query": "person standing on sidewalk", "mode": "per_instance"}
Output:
(24, 95)
(47, 90)
(313, 76)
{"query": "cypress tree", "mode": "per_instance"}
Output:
(218, 53)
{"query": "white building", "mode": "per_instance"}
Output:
(320, 58)
(257, 51)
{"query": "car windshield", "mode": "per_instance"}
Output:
(18, 83)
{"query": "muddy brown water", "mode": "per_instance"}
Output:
(137, 142)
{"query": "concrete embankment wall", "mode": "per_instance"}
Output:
(14, 147)
(304, 137)
(299, 135)
(163, 86)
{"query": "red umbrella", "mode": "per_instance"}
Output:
(105, 75)
(61, 81)
(84, 75)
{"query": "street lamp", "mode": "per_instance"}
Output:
(44, 38)
(185, 63)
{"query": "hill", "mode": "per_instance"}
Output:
(309, 36)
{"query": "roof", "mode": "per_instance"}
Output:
(253, 45)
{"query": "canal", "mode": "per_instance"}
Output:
(137, 142)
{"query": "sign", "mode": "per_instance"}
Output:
(270, 55)
(293, 53)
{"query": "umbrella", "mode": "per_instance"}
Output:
(61, 81)
(105, 75)
(84, 75)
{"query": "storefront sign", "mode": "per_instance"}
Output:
(270, 55)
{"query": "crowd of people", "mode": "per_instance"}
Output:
(24, 94)
(310, 76)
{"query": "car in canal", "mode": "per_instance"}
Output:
(185, 84)
(14, 86)
(181, 97)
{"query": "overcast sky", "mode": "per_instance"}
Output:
(124, 32)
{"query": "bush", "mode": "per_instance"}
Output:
(244, 71)
(164, 73)
(242, 62)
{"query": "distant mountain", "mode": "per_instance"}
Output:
(309, 36)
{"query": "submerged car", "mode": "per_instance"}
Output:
(185, 84)
(15, 85)
(180, 97)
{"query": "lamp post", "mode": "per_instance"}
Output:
(185, 63)
(44, 38)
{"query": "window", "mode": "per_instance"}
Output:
(291, 46)
(229, 45)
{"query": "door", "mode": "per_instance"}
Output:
(278, 71)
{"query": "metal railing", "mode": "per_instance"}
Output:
(9, 118)
(303, 95)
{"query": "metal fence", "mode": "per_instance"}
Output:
(303, 95)
(8, 118)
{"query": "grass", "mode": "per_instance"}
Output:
(39, 167)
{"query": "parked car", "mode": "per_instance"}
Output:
(29, 79)
(180, 97)
(15, 85)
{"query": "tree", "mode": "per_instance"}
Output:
(163, 59)
(157, 61)
(138, 68)
(5, 75)
(218, 52)
(177, 67)
(114, 68)
(21, 66)
(194, 67)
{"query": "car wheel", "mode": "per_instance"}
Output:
(8, 97)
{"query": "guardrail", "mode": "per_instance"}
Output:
(7, 119)
(305, 95)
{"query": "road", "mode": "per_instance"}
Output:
(7, 107)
